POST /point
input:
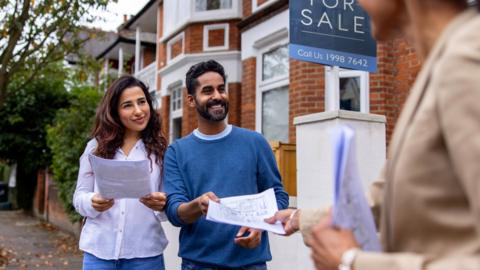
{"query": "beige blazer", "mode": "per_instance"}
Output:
(430, 201)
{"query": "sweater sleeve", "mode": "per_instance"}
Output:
(82, 198)
(268, 174)
(174, 187)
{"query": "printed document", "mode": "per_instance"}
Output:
(118, 179)
(247, 210)
(350, 207)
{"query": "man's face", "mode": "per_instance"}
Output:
(211, 99)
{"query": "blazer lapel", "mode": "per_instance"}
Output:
(403, 124)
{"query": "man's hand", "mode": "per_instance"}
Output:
(328, 244)
(100, 204)
(202, 201)
(290, 219)
(191, 211)
(252, 240)
(155, 200)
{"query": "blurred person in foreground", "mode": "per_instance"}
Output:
(427, 201)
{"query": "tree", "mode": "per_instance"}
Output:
(25, 114)
(67, 138)
(34, 34)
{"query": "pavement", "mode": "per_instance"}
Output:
(29, 243)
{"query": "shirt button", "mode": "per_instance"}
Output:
(123, 213)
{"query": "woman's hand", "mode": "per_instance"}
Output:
(329, 243)
(100, 204)
(155, 200)
(289, 219)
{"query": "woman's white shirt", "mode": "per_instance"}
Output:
(128, 229)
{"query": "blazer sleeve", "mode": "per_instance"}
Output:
(412, 261)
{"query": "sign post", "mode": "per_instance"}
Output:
(332, 32)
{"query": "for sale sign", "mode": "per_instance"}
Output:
(332, 32)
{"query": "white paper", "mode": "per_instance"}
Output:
(118, 179)
(248, 210)
(350, 207)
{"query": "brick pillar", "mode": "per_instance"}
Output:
(234, 98)
(39, 199)
(247, 109)
(189, 117)
(165, 116)
(307, 91)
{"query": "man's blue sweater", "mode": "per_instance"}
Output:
(240, 163)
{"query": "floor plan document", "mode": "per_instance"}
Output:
(350, 207)
(247, 210)
(118, 179)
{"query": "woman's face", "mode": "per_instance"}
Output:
(133, 110)
(386, 17)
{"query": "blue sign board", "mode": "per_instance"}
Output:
(332, 32)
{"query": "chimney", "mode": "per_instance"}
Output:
(125, 17)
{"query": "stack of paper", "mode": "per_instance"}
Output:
(350, 207)
(248, 210)
(118, 179)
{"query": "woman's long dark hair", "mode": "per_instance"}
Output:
(109, 130)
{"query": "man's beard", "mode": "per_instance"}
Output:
(216, 117)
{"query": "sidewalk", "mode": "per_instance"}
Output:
(28, 243)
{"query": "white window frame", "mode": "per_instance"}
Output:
(226, 43)
(172, 41)
(234, 11)
(270, 84)
(332, 87)
(156, 99)
(256, 7)
(177, 113)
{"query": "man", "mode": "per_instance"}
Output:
(217, 160)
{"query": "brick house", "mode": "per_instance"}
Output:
(267, 90)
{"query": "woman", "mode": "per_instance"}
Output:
(123, 233)
(429, 202)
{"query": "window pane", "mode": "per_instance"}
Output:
(275, 63)
(176, 99)
(204, 5)
(275, 114)
(350, 94)
(176, 128)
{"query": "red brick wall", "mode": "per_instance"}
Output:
(148, 56)
(261, 2)
(165, 113)
(176, 49)
(307, 91)
(234, 36)
(248, 93)
(189, 118)
(194, 38)
(247, 8)
(235, 99)
(398, 67)
(161, 49)
(216, 37)
(39, 197)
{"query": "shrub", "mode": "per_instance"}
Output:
(67, 138)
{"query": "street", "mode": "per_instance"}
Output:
(29, 243)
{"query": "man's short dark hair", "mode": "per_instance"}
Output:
(198, 70)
